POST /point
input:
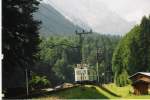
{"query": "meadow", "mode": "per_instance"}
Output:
(109, 91)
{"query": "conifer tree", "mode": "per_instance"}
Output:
(132, 53)
(144, 44)
(20, 36)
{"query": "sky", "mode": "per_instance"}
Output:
(131, 10)
(104, 15)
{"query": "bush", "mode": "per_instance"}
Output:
(38, 82)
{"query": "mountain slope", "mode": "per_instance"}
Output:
(54, 22)
(95, 13)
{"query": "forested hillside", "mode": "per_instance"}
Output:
(132, 53)
(53, 22)
(58, 62)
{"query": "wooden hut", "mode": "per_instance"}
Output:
(140, 82)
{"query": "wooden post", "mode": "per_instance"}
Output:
(97, 72)
(27, 85)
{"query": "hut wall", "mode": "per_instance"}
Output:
(140, 88)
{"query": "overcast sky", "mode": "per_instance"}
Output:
(131, 10)
(91, 11)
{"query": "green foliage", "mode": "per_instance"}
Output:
(132, 53)
(39, 82)
(20, 38)
(63, 58)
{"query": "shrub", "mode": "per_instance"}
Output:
(38, 82)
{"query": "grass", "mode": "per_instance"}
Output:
(94, 92)
(120, 91)
(83, 92)
(125, 92)
(138, 97)
(105, 93)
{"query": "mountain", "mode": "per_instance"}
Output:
(94, 13)
(54, 22)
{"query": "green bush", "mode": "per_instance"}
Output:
(38, 82)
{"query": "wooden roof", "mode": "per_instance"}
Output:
(142, 73)
(142, 81)
(140, 77)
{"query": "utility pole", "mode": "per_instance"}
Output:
(104, 58)
(81, 40)
(97, 64)
(27, 85)
(99, 57)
